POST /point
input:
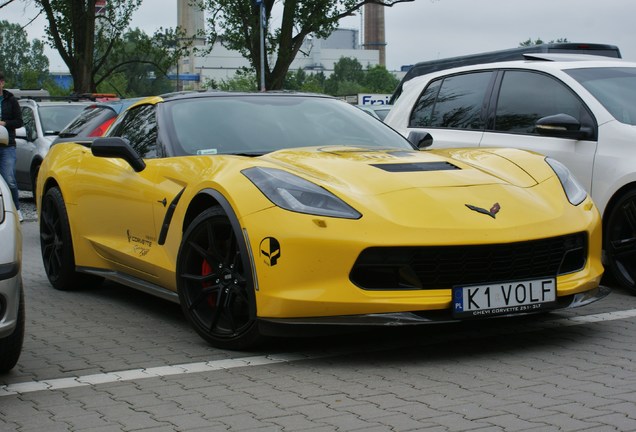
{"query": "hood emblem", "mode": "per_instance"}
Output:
(492, 212)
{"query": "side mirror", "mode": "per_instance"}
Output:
(21, 133)
(117, 147)
(4, 136)
(420, 139)
(562, 126)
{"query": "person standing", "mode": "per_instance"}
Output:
(10, 118)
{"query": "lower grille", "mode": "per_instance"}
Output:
(439, 267)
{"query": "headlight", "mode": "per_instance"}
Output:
(298, 195)
(574, 191)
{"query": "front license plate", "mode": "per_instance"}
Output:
(503, 298)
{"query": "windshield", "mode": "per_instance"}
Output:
(261, 124)
(614, 87)
(55, 117)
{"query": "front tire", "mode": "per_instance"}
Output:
(619, 241)
(56, 244)
(214, 281)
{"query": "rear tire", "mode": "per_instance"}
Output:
(619, 241)
(56, 244)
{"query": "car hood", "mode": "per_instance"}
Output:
(445, 189)
(381, 171)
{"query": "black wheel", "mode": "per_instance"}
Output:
(57, 245)
(11, 346)
(619, 241)
(215, 283)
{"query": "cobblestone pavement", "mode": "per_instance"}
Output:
(111, 359)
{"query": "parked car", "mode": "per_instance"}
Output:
(378, 111)
(250, 213)
(580, 112)
(43, 121)
(518, 53)
(94, 120)
(12, 319)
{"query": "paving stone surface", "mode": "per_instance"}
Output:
(111, 359)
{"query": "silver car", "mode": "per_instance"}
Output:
(43, 121)
(11, 293)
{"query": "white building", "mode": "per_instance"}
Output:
(316, 55)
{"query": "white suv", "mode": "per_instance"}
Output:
(578, 109)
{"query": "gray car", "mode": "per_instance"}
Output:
(43, 121)
(11, 293)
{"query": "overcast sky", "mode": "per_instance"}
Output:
(430, 29)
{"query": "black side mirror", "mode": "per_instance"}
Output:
(562, 126)
(420, 139)
(117, 147)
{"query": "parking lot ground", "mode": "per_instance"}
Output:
(111, 359)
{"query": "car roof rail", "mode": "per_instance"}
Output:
(75, 97)
(565, 57)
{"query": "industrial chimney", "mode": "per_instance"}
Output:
(374, 30)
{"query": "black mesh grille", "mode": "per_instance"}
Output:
(396, 268)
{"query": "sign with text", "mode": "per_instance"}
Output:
(373, 99)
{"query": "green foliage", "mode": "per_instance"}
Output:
(379, 80)
(244, 80)
(539, 41)
(23, 63)
(350, 78)
(84, 38)
(138, 64)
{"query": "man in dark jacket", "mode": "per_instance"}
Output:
(10, 118)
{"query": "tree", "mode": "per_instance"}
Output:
(23, 63)
(138, 64)
(349, 78)
(538, 41)
(77, 27)
(379, 80)
(235, 23)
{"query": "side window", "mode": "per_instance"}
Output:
(139, 127)
(525, 97)
(423, 110)
(29, 123)
(456, 102)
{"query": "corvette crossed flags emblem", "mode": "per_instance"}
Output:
(492, 212)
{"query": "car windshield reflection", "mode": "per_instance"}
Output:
(255, 125)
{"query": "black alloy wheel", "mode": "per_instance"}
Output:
(57, 245)
(215, 284)
(619, 241)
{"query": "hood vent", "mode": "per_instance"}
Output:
(416, 167)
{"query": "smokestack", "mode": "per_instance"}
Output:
(374, 30)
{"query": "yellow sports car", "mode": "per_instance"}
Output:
(257, 210)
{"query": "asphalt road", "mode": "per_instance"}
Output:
(112, 359)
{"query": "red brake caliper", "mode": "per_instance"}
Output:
(206, 269)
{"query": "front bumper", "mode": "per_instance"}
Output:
(427, 317)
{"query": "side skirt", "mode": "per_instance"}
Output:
(133, 282)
